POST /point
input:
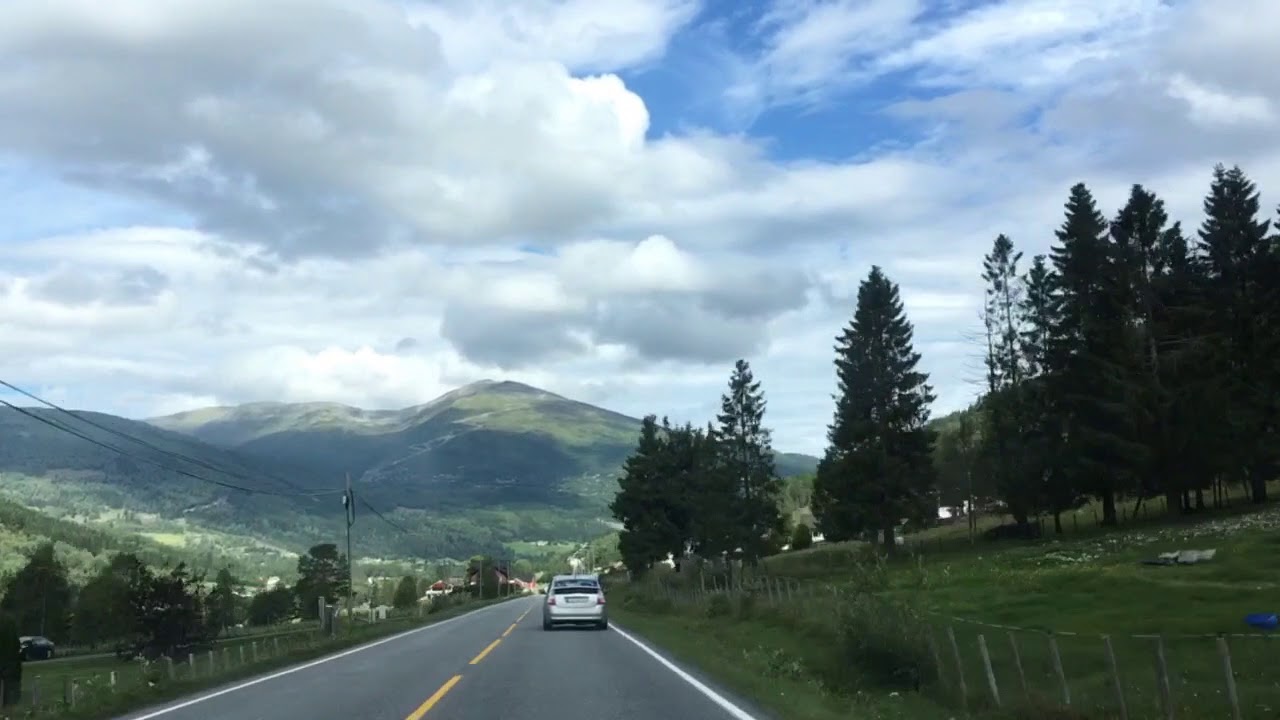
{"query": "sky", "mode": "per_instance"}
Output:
(223, 201)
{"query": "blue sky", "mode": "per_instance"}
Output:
(614, 201)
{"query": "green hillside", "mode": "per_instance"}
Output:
(488, 465)
(84, 545)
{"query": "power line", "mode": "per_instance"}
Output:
(163, 466)
(58, 426)
(163, 451)
(382, 517)
(349, 496)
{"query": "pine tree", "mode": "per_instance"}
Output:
(1043, 431)
(1004, 408)
(1143, 237)
(1088, 348)
(221, 605)
(1238, 254)
(38, 596)
(746, 456)
(406, 594)
(877, 468)
(657, 494)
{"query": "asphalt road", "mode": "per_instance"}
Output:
(495, 663)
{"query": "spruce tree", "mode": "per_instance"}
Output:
(1238, 253)
(877, 468)
(1088, 349)
(1144, 240)
(746, 456)
(1004, 408)
(1043, 429)
(644, 504)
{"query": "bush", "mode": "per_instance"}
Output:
(10, 662)
(881, 644)
(719, 606)
(802, 537)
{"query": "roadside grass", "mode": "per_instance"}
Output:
(769, 664)
(1076, 589)
(84, 690)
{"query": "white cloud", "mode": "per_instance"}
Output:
(386, 200)
(580, 34)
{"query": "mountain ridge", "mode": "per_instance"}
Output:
(481, 467)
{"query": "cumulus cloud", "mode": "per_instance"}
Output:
(376, 202)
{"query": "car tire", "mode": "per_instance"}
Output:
(604, 625)
(546, 625)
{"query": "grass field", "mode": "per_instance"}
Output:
(1082, 587)
(91, 688)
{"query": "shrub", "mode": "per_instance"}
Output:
(719, 606)
(10, 662)
(802, 537)
(880, 644)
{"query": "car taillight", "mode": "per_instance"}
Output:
(600, 599)
(551, 599)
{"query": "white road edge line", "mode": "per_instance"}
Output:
(736, 712)
(304, 666)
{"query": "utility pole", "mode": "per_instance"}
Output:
(349, 500)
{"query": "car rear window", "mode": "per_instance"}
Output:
(576, 589)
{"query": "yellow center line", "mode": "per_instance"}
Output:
(508, 631)
(431, 701)
(485, 651)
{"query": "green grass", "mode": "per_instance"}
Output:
(765, 663)
(140, 684)
(1081, 587)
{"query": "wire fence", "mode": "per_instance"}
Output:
(979, 666)
(101, 685)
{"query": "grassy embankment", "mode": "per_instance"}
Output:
(837, 634)
(49, 687)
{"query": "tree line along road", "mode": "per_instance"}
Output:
(490, 664)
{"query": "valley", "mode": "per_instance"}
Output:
(493, 467)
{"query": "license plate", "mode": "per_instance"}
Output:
(576, 600)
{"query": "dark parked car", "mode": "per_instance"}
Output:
(34, 647)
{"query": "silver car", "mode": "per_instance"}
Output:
(575, 600)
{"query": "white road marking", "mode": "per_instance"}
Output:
(736, 712)
(298, 668)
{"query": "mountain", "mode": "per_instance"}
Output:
(792, 464)
(485, 466)
(488, 443)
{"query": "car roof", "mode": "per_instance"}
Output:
(575, 579)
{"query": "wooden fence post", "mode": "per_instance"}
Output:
(1058, 670)
(1017, 664)
(986, 665)
(1162, 679)
(1225, 653)
(169, 660)
(113, 681)
(955, 652)
(1114, 668)
(937, 656)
